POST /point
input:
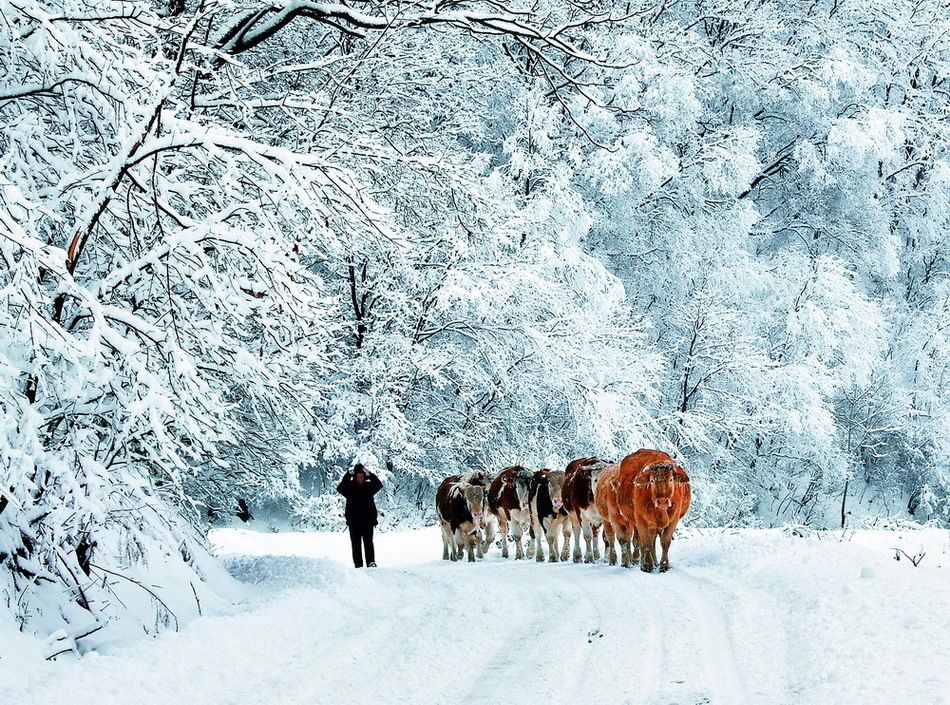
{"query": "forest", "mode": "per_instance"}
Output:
(245, 244)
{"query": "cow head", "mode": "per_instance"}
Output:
(661, 485)
(595, 466)
(522, 480)
(475, 500)
(476, 477)
(555, 482)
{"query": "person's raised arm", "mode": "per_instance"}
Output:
(346, 485)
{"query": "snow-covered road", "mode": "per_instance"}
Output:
(750, 617)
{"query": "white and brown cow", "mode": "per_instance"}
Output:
(508, 504)
(548, 517)
(580, 483)
(460, 507)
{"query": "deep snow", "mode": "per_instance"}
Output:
(757, 617)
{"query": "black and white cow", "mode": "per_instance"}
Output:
(508, 504)
(548, 516)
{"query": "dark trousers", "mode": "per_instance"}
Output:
(364, 534)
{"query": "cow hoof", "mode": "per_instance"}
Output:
(588, 559)
(552, 559)
(664, 568)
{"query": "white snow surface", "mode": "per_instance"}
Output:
(757, 617)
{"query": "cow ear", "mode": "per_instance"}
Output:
(463, 486)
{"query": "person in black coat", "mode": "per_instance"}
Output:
(358, 486)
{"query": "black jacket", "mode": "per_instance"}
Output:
(360, 506)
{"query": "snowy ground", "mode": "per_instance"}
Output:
(750, 617)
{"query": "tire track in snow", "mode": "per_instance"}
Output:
(761, 666)
(539, 656)
(666, 644)
(487, 683)
(613, 671)
(714, 644)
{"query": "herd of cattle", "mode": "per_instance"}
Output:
(636, 501)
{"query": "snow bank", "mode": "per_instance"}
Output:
(753, 616)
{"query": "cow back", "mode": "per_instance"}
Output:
(502, 494)
(539, 498)
(579, 484)
(544, 486)
(450, 503)
(573, 485)
(605, 495)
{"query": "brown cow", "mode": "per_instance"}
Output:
(643, 496)
(661, 495)
(607, 497)
(548, 516)
(460, 506)
(580, 482)
(508, 503)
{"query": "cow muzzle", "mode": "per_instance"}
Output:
(558, 503)
(477, 516)
(524, 506)
(662, 502)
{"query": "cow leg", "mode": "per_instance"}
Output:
(589, 545)
(489, 533)
(551, 536)
(666, 538)
(653, 542)
(579, 526)
(623, 535)
(459, 544)
(479, 543)
(517, 534)
(609, 548)
(503, 530)
(647, 548)
(538, 531)
(471, 545)
(566, 530)
(636, 546)
(550, 533)
(595, 539)
(447, 540)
